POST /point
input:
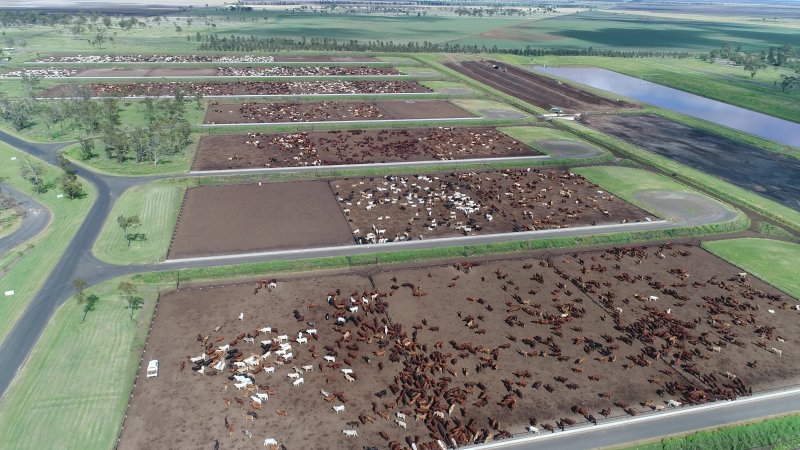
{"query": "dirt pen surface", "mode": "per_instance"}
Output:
(260, 150)
(201, 59)
(222, 113)
(770, 174)
(388, 209)
(239, 88)
(233, 71)
(250, 218)
(541, 91)
(460, 353)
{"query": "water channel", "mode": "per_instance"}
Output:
(762, 125)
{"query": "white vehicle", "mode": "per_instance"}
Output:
(152, 368)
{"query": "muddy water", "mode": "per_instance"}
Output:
(762, 125)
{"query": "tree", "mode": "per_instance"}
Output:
(87, 149)
(71, 186)
(754, 63)
(34, 171)
(79, 284)
(130, 222)
(135, 303)
(90, 305)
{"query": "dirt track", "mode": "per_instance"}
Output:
(770, 174)
(227, 113)
(258, 150)
(250, 218)
(536, 89)
(514, 340)
(237, 88)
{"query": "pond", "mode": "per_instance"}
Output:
(762, 125)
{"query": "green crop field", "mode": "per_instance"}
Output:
(773, 261)
(25, 270)
(157, 205)
(73, 390)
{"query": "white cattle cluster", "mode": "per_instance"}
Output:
(403, 208)
(158, 59)
(50, 72)
(294, 71)
(248, 87)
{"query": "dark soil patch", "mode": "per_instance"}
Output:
(332, 111)
(258, 150)
(218, 220)
(771, 174)
(538, 90)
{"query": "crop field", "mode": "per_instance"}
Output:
(222, 113)
(324, 148)
(405, 356)
(769, 174)
(236, 88)
(307, 214)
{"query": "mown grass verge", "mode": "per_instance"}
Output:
(74, 388)
(774, 262)
(782, 433)
(25, 269)
(157, 205)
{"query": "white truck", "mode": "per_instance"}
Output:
(152, 368)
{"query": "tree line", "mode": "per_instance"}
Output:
(235, 43)
(753, 62)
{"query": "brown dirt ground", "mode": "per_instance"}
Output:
(249, 218)
(245, 87)
(257, 150)
(541, 91)
(332, 110)
(522, 322)
(516, 200)
(238, 71)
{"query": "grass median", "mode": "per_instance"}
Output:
(157, 205)
(25, 269)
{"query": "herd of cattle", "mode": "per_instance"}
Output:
(254, 88)
(502, 351)
(299, 112)
(157, 59)
(392, 208)
(308, 71)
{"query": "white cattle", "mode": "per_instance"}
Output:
(266, 330)
(776, 351)
(293, 375)
(311, 331)
(287, 356)
(349, 378)
(324, 393)
(329, 358)
(269, 370)
(401, 424)
(341, 320)
(353, 309)
(302, 340)
(283, 337)
(533, 429)
(771, 311)
(272, 285)
(239, 386)
(338, 408)
(241, 316)
(220, 366)
(298, 382)
(249, 340)
(653, 298)
(308, 368)
(347, 371)
(270, 441)
(350, 433)
(400, 415)
(262, 396)
(255, 399)
(198, 358)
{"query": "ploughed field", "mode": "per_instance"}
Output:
(536, 89)
(228, 71)
(461, 353)
(392, 208)
(220, 220)
(238, 88)
(200, 59)
(326, 148)
(770, 174)
(275, 112)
